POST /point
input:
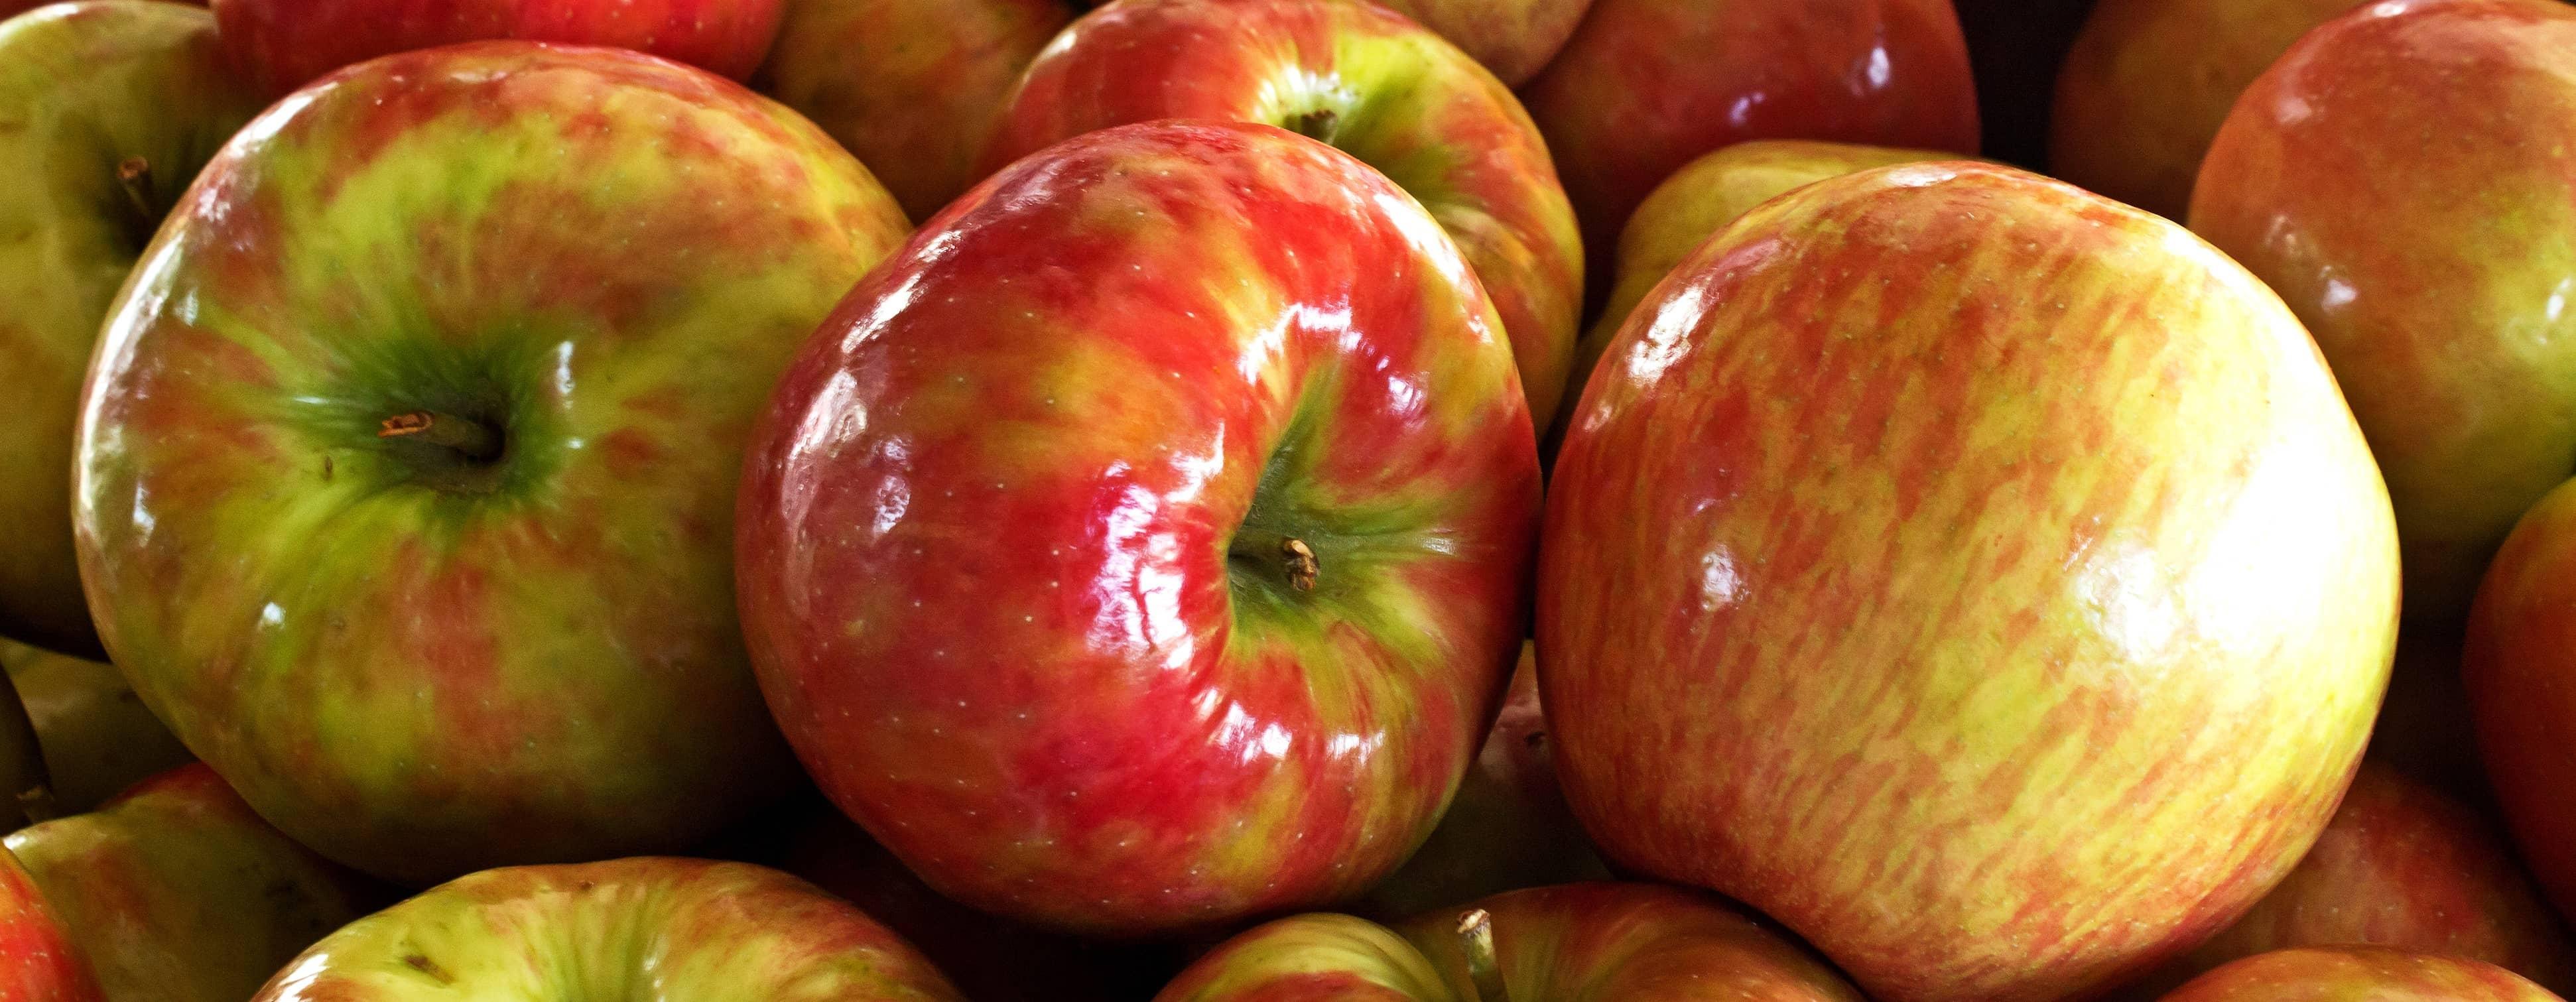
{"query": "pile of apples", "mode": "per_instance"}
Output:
(1280, 500)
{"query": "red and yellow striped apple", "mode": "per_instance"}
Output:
(2359, 974)
(281, 45)
(38, 962)
(1981, 577)
(2520, 668)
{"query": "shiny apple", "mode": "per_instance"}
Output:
(98, 737)
(1146, 547)
(1981, 577)
(1353, 75)
(2390, 177)
(38, 962)
(432, 558)
(2520, 669)
(2360, 974)
(284, 44)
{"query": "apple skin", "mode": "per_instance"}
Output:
(1646, 86)
(280, 45)
(417, 662)
(38, 961)
(92, 84)
(2520, 669)
(662, 927)
(913, 87)
(176, 892)
(2383, 176)
(2142, 572)
(13, 8)
(26, 791)
(2148, 82)
(2359, 974)
(1595, 940)
(98, 737)
(1075, 683)
(1513, 38)
(1354, 75)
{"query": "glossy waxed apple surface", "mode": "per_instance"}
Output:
(2402, 178)
(2359, 974)
(686, 930)
(82, 88)
(2521, 673)
(38, 963)
(912, 87)
(1978, 576)
(985, 533)
(1646, 86)
(283, 44)
(425, 667)
(1373, 84)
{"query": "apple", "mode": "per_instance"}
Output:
(1513, 38)
(38, 962)
(913, 87)
(2386, 177)
(1981, 577)
(648, 927)
(1573, 941)
(2360, 974)
(1507, 828)
(1358, 77)
(26, 794)
(2149, 81)
(176, 892)
(2520, 670)
(432, 558)
(1146, 547)
(98, 737)
(284, 44)
(1646, 86)
(118, 103)
(13, 8)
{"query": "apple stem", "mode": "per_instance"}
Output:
(134, 177)
(1290, 555)
(472, 439)
(1484, 969)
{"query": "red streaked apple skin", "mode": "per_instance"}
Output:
(1981, 577)
(1372, 83)
(285, 44)
(2359, 974)
(38, 961)
(985, 532)
(2521, 673)
(2400, 177)
(1646, 86)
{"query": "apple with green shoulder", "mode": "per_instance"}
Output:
(1365, 80)
(117, 103)
(2359, 974)
(1146, 547)
(98, 737)
(647, 927)
(284, 44)
(433, 559)
(1941, 556)
(2520, 669)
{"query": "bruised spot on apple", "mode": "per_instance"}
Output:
(1981, 577)
(1146, 546)
(1358, 77)
(432, 558)
(2520, 669)
(2359, 974)
(281, 45)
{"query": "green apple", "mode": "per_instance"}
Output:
(107, 109)
(98, 737)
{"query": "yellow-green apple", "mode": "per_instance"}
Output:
(1358, 77)
(98, 737)
(1547, 944)
(1979, 576)
(26, 793)
(284, 44)
(1146, 546)
(2401, 865)
(912, 87)
(691, 930)
(2359, 974)
(1513, 38)
(432, 559)
(176, 892)
(112, 105)
(2149, 81)
(38, 961)
(1646, 86)
(1507, 828)
(2520, 669)
(2399, 179)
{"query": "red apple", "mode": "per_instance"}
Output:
(1513, 38)
(1646, 86)
(2149, 81)
(2521, 675)
(1981, 577)
(2399, 177)
(912, 87)
(1146, 546)
(38, 961)
(2359, 974)
(285, 44)
(1362, 79)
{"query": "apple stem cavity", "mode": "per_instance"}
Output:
(1318, 125)
(1484, 969)
(474, 440)
(1278, 553)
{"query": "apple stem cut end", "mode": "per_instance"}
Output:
(1278, 553)
(1484, 969)
(472, 439)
